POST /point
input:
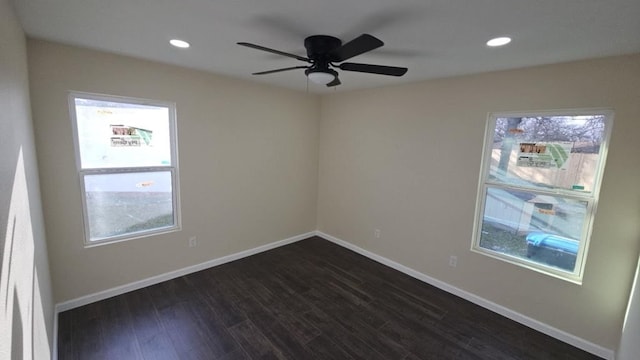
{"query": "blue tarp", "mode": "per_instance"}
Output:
(553, 242)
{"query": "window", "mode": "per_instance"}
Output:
(539, 188)
(127, 164)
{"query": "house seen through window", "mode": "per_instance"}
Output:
(126, 158)
(539, 189)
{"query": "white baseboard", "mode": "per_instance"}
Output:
(499, 309)
(54, 346)
(506, 312)
(118, 290)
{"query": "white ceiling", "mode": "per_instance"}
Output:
(433, 38)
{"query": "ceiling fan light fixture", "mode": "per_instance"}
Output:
(322, 77)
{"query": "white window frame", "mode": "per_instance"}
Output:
(591, 198)
(172, 168)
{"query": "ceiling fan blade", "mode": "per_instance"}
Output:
(374, 69)
(335, 82)
(279, 70)
(273, 51)
(357, 46)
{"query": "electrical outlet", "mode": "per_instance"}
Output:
(453, 261)
(193, 241)
(376, 233)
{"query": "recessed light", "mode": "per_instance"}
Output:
(179, 43)
(499, 41)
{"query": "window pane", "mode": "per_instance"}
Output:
(125, 203)
(547, 151)
(115, 134)
(540, 228)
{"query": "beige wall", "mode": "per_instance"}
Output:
(248, 157)
(406, 160)
(403, 159)
(26, 300)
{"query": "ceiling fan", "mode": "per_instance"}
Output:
(327, 52)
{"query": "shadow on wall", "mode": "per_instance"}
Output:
(23, 327)
(17, 332)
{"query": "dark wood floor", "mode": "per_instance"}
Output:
(308, 300)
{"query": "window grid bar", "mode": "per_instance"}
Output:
(570, 194)
(129, 170)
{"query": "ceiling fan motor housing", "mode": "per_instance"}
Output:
(319, 47)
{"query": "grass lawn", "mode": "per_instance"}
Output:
(117, 213)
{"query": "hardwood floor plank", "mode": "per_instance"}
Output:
(279, 335)
(237, 354)
(492, 350)
(153, 340)
(212, 330)
(425, 343)
(325, 349)
(282, 300)
(355, 347)
(225, 310)
(377, 340)
(254, 342)
(322, 298)
(287, 309)
(169, 293)
(308, 300)
(185, 333)
(439, 336)
(403, 304)
(340, 274)
(117, 330)
(65, 340)
(86, 333)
